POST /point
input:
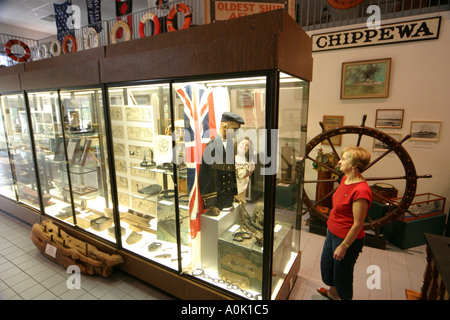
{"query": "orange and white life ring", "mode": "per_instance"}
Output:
(55, 47)
(147, 17)
(74, 43)
(180, 7)
(126, 28)
(91, 39)
(44, 51)
(12, 42)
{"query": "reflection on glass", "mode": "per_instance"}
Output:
(50, 155)
(6, 175)
(293, 107)
(84, 125)
(21, 154)
(223, 150)
(141, 129)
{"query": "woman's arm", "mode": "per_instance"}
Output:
(359, 208)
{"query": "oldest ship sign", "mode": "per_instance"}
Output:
(425, 29)
(229, 9)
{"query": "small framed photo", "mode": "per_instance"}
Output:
(389, 118)
(425, 130)
(380, 146)
(365, 79)
(245, 99)
(333, 122)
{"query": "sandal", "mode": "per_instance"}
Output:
(324, 292)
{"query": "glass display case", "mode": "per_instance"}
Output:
(163, 136)
(6, 173)
(19, 144)
(86, 173)
(191, 170)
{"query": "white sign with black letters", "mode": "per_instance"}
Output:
(391, 33)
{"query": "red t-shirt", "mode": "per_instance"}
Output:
(341, 215)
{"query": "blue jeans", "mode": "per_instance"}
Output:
(339, 273)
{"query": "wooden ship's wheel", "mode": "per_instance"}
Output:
(390, 145)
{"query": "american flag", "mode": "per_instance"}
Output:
(200, 127)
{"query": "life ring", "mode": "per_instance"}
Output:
(91, 39)
(44, 50)
(344, 4)
(55, 47)
(126, 29)
(74, 43)
(181, 7)
(146, 17)
(8, 51)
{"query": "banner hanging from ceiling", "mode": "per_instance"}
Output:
(94, 14)
(63, 12)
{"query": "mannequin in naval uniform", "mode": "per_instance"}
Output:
(217, 177)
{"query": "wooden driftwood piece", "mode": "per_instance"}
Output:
(66, 250)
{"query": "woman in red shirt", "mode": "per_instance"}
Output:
(345, 235)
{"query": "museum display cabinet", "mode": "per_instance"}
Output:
(115, 159)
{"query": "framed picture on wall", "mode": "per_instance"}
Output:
(425, 130)
(389, 118)
(380, 146)
(333, 122)
(365, 79)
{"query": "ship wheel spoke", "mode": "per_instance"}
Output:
(322, 165)
(386, 152)
(363, 124)
(330, 143)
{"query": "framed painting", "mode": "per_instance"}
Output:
(365, 79)
(333, 122)
(425, 130)
(389, 118)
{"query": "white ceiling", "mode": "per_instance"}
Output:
(28, 14)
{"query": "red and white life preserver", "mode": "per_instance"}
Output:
(180, 7)
(126, 28)
(8, 51)
(74, 43)
(147, 17)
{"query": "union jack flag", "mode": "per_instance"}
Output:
(200, 126)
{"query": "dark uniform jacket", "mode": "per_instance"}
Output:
(217, 181)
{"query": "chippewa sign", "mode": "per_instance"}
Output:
(391, 33)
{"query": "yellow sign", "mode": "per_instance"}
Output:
(225, 10)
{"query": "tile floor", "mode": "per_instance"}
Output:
(26, 274)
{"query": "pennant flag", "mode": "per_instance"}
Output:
(200, 127)
(124, 7)
(94, 14)
(62, 16)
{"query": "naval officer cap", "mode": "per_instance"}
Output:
(230, 116)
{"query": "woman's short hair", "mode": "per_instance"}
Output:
(359, 157)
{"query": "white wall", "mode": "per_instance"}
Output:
(420, 84)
